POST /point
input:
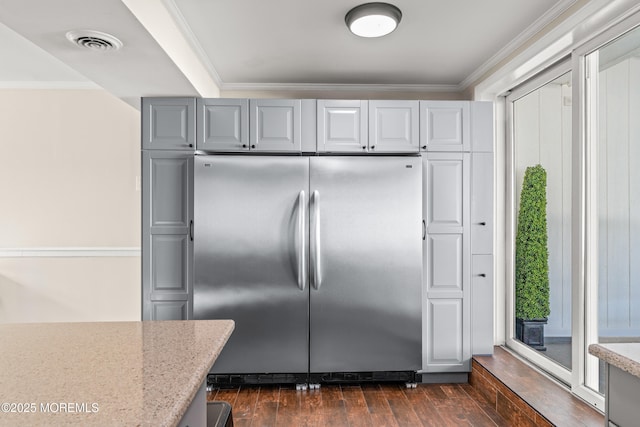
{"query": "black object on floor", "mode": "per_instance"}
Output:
(219, 414)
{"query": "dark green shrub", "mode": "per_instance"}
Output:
(532, 254)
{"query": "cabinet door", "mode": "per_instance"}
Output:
(482, 304)
(482, 126)
(223, 124)
(446, 258)
(445, 336)
(168, 123)
(482, 203)
(342, 126)
(446, 192)
(275, 125)
(393, 126)
(444, 126)
(167, 246)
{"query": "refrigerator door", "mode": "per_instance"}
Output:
(250, 254)
(365, 264)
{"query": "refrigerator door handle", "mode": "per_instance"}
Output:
(315, 244)
(302, 250)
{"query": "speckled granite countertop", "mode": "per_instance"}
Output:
(625, 356)
(105, 374)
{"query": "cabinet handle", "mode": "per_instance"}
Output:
(482, 223)
(191, 230)
(364, 147)
(190, 145)
(482, 275)
(373, 147)
(424, 230)
(253, 146)
(244, 145)
(424, 147)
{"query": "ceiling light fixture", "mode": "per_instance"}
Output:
(94, 40)
(373, 19)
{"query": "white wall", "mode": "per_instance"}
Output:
(619, 200)
(543, 136)
(68, 169)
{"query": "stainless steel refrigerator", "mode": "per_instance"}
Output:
(317, 259)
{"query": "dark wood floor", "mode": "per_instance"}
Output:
(359, 405)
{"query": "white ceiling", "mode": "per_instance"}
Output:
(193, 47)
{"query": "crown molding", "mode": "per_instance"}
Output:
(533, 29)
(338, 87)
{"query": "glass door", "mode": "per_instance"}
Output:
(612, 270)
(539, 310)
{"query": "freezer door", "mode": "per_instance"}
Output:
(250, 254)
(365, 264)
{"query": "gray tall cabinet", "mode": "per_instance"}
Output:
(454, 138)
(457, 140)
(168, 145)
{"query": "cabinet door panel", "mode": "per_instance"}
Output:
(444, 264)
(275, 125)
(342, 126)
(169, 178)
(445, 350)
(168, 123)
(445, 177)
(393, 126)
(169, 310)
(482, 126)
(482, 203)
(169, 263)
(223, 124)
(444, 125)
(482, 304)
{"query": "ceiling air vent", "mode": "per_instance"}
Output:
(94, 40)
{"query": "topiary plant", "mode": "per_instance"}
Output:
(532, 254)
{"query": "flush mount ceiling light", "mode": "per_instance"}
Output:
(373, 19)
(94, 40)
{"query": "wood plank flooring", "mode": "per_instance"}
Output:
(374, 405)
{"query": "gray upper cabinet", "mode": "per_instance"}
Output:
(167, 246)
(223, 124)
(393, 126)
(444, 126)
(275, 125)
(482, 126)
(342, 126)
(168, 124)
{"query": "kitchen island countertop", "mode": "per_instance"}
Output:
(625, 356)
(105, 373)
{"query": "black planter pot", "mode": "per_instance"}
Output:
(531, 332)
